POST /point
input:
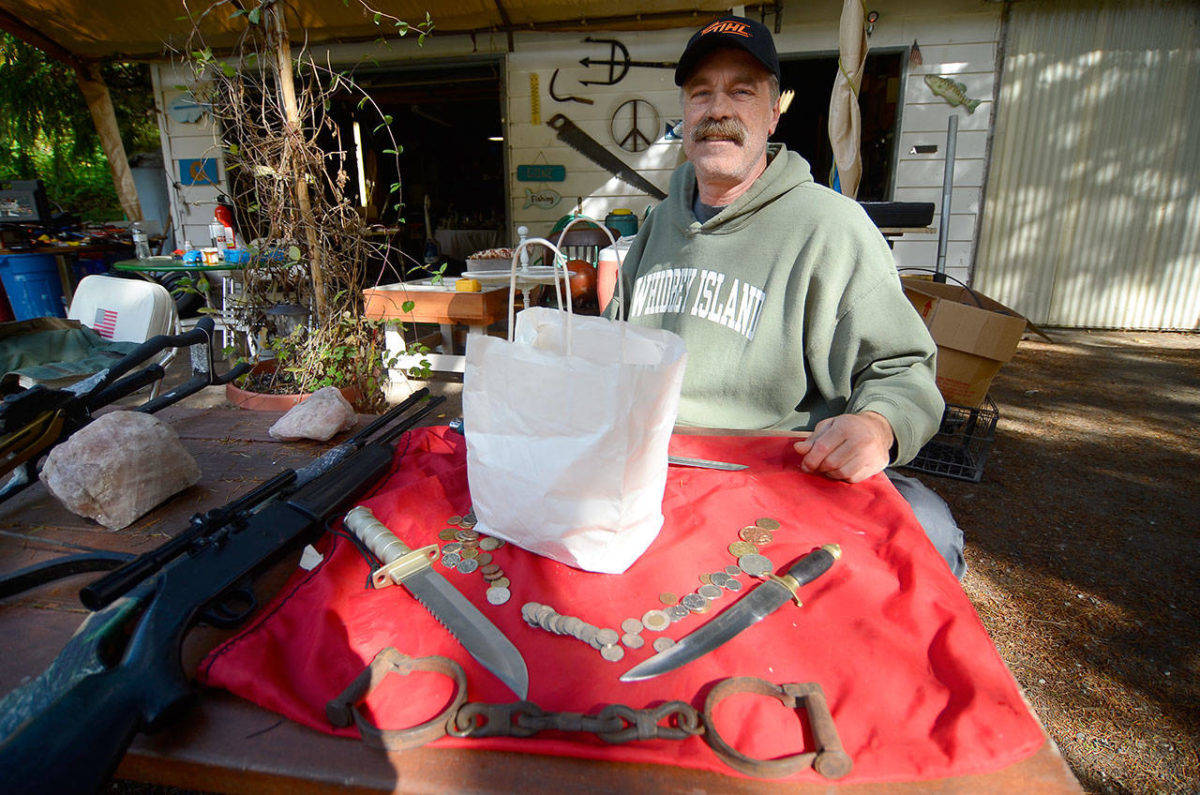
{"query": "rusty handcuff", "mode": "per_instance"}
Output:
(615, 723)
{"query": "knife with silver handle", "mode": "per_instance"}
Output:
(412, 569)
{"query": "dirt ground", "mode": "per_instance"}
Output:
(1082, 543)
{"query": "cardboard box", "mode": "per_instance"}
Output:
(975, 335)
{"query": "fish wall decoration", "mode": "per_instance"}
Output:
(954, 92)
(543, 199)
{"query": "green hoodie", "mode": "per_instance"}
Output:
(790, 306)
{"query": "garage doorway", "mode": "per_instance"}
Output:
(804, 128)
(447, 119)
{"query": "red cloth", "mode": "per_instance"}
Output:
(916, 687)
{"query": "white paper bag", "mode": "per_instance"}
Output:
(567, 427)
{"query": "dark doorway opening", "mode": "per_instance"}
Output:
(447, 120)
(804, 128)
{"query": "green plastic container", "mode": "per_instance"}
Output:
(622, 221)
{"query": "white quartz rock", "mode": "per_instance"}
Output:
(322, 416)
(119, 467)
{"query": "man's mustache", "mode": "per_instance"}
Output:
(725, 129)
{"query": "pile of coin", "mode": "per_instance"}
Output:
(753, 538)
(469, 551)
(546, 617)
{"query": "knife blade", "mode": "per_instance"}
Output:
(703, 463)
(404, 566)
(757, 604)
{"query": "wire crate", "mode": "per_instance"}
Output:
(962, 444)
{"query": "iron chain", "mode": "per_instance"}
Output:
(616, 723)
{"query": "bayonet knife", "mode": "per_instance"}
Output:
(756, 605)
(411, 568)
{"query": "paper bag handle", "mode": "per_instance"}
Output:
(559, 261)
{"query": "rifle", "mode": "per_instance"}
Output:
(121, 672)
(36, 419)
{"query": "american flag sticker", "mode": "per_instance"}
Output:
(106, 323)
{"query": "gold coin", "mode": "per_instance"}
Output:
(747, 532)
(668, 598)
(763, 538)
(489, 568)
(447, 534)
(467, 535)
(454, 520)
(468, 552)
(706, 579)
(489, 543)
(767, 523)
(739, 548)
(501, 582)
(483, 558)
(467, 523)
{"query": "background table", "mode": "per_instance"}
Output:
(226, 744)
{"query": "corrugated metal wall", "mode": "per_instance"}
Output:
(1092, 206)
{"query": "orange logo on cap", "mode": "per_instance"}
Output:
(736, 28)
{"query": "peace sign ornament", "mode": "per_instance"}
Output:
(635, 125)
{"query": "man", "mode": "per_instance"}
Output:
(784, 291)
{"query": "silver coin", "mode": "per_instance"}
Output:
(631, 626)
(632, 640)
(596, 644)
(452, 547)
(755, 565)
(528, 611)
(733, 570)
(709, 592)
(587, 633)
(467, 565)
(612, 653)
(488, 544)
(734, 585)
(498, 596)
(677, 612)
(544, 612)
(655, 620)
(719, 578)
(694, 602)
(452, 560)
(608, 636)
(662, 644)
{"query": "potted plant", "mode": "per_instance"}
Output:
(294, 199)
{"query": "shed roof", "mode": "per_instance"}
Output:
(88, 30)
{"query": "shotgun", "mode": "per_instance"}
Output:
(121, 672)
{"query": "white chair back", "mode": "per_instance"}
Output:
(124, 310)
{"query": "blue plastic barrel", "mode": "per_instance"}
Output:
(33, 286)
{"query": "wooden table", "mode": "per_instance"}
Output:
(440, 304)
(226, 744)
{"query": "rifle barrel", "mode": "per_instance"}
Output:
(105, 590)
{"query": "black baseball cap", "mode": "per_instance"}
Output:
(744, 34)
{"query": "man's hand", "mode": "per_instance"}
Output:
(850, 447)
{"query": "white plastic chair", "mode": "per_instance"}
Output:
(126, 310)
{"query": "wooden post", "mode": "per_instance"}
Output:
(295, 130)
(99, 102)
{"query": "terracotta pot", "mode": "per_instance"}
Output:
(259, 401)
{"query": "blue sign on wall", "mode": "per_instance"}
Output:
(541, 172)
(200, 171)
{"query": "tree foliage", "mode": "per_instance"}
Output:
(47, 133)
